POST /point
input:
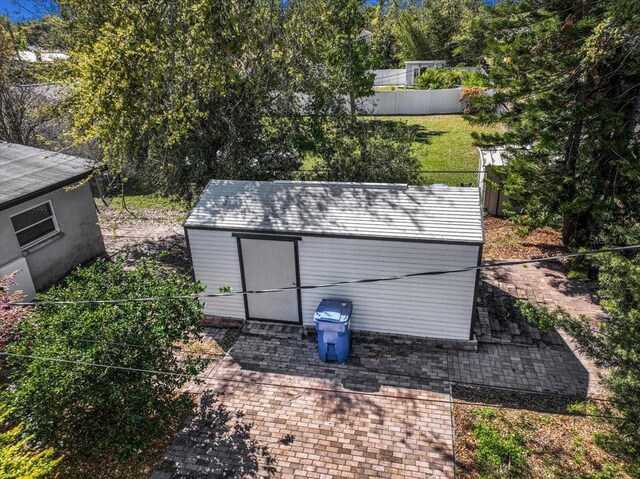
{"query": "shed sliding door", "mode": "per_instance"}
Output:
(270, 264)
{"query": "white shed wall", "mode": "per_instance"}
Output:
(436, 306)
(215, 263)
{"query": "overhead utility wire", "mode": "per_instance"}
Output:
(261, 383)
(327, 285)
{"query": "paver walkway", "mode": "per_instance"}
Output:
(545, 285)
(273, 409)
(278, 411)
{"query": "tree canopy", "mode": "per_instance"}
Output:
(567, 80)
(182, 92)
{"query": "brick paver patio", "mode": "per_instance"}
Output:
(544, 285)
(275, 410)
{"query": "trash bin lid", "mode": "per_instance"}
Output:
(333, 311)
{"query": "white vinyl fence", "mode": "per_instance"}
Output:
(407, 102)
(413, 102)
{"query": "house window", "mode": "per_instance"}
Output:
(35, 224)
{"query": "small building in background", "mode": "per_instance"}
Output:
(491, 177)
(415, 68)
(250, 236)
(48, 220)
(405, 76)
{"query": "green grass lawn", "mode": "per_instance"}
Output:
(443, 142)
(139, 199)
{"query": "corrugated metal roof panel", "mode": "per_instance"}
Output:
(494, 156)
(25, 171)
(426, 213)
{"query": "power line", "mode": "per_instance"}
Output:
(328, 285)
(261, 383)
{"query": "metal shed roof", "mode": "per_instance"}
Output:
(493, 156)
(367, 210)
(27, 172)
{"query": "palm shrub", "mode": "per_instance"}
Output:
(64, 399)
(439, 78)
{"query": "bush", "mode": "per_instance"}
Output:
(540, 317)
(368, 151)
(614, 343)
(17, 459)
(439, 78)
(475, 79)
(85, 408)
(500, 454)
(468, 95)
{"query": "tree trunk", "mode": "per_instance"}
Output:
(571, 219)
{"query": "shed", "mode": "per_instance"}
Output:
(252, 236)
(415, 68)
(48, 218)
(490, 177)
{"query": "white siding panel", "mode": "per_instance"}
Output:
(438, 306)
(215, 264)
(434, 306)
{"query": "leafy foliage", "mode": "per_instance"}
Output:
(541, 317)
(439, 78)
(614, 343)
(385, 155)
(504, 455)
(88, 408)
(435, 29)
(567, 88)
(475, 79)
(240, 90)
(17, 459)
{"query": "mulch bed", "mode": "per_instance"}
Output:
(559, 444)
(109, 466)
(502, 241)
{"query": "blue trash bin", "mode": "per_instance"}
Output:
(333, 325)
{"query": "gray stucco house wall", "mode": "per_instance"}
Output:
(78, 240)
(30, 177)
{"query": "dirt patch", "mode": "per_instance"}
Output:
(213, 342)
(503, 241)
(150, 233)
(513, 436)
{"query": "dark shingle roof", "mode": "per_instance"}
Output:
(27, 172)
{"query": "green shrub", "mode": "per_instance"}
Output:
(614, 343)
(439, 78)
(577, 274)
(540, 317)
(475, 79)
(85, 408)
(17, 459)
(499, 454)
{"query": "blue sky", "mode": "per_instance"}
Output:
(18, 10)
